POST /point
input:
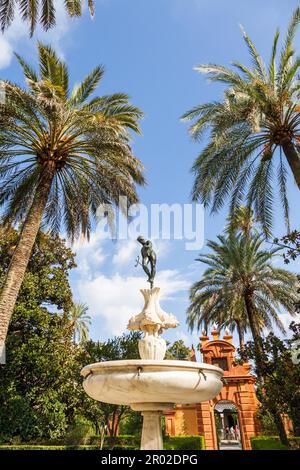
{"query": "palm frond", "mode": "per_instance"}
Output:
(28, 71)
(29, 12)
(82, 91)
(256, 58)
(74, 7)
(272, 66)
(47, 16)
(7, 13)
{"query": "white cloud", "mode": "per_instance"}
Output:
(17, 35)
(10, 39)
(125, 253)
(116, 298)
(162, 247)
(6, 52)
(90, 256)
(181, 335)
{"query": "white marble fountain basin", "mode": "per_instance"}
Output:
(151, 384)
(139, 381)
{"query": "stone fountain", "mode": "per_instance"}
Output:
(151, 384)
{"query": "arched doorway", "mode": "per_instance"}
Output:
(227, 425)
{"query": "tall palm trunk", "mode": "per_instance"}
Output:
(21, 256)
(281, 428)
(72, 327)
(258, 349)
(293, 159)
(255, 330)
(240, 335)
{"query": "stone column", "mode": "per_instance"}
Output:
(223, 425)
(152, 434)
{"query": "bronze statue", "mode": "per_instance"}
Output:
(148, 258)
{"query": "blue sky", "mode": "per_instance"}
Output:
(149, 49)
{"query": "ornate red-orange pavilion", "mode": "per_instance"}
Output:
(229, 420)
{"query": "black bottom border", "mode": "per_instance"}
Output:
(134, 459)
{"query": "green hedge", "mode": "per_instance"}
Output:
(38, 447)
(184, 443)
(273, 443)
(119, 442)
(122, 440)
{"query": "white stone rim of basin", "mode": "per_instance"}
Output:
(135, 381)
(125, 364)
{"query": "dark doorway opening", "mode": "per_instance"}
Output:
(227, 426)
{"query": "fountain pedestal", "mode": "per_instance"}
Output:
(151, 385)
(152, 438)
(152, 321)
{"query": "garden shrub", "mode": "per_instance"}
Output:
(113, 442)
(273, 443)
(79, 433)
(184, 443)
(48, 447)
(118, 442)
(40, 447)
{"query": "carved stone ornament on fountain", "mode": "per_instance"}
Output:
(152, 321)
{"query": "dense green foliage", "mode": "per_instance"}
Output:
(273, 443)
(280, 392)
(46, 280)
(117, 348)
(36, 384)
(120, 442)
(291, 245)
(48, 447)
(178, 351)
(132, 423)
(184, 443)
(267, 425)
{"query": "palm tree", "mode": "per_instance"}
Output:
(225, 311)
(254, 127)
(42, 11)
(240, 221)
(80, 322)
(62, 155)
(241, 285)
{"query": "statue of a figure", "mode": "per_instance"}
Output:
(148, 259)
